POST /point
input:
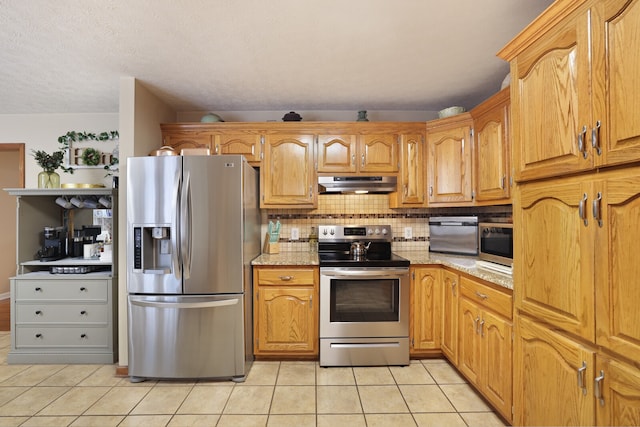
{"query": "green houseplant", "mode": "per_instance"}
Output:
(49, 163)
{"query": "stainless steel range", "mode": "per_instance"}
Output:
(364, 297)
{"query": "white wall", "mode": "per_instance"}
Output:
(41, 132)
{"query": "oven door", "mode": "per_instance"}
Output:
(364, 302)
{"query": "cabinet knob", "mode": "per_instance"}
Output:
(39, 336)
(286, 278)
(38, 312)
(83, 336)
(83, 289)
(83, 313)
(38, 289)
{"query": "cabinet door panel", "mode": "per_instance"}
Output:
(551, 104)
(617, 266)
(497, 367)
(469, 341)
(620, 393)
(285, 319)
(337, 153)
(379, 153)
(616, 71)
(550, 235)
(449, 334)
(425, 304)
(546, 388)
(246, 145)
(449, 166)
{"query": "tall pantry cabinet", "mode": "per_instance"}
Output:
(575, 96)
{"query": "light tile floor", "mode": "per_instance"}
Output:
(426, 393)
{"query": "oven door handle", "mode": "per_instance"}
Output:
(368, 273)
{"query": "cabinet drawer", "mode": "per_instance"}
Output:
(87, 314)
(493, 299)
(285, 277)
(51, 290)
(85, 337)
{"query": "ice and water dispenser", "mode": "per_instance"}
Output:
(152, 249)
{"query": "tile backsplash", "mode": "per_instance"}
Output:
(358, 209)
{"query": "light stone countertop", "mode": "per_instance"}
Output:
(464, 264)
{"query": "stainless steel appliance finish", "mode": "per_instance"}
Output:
(496, 242)
(357, 184)
(454, 235)
(193, 229)
(364, 300)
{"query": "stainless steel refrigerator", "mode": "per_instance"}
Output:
(193, 230)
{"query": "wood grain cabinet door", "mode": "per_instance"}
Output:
(412, 177)
(554, 253)
(469, 344)
(379, 153)
(247, 145)
(449, 333)
(287, 175)
(449, 165)
(337, 153)
(551, 102)
(617, 393)
(425, 309)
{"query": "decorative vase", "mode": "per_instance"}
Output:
(48, 180)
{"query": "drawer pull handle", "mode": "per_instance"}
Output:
(286, 278)
(598, 388)
(481, 295)
(38, 289)
(581, 382)
(38, 312)
(83, 312)
(39, 336)
(83, 336)
(83, 289)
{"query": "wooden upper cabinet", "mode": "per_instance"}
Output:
(249, 145)
(337, 153)
(379, 153)
(187, 139)
(287, 175)
(615, 125)
(449, 178)
(491, 149)
(412, 177)
(573, 100)
(352, 153)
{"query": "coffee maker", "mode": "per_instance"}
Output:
(54, 244)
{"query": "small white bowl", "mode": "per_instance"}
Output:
(451, 111)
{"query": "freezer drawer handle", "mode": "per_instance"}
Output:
(207, 304)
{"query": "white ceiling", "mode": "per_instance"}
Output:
(67, 56)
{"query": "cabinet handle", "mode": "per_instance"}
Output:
(581, 211)
(83, 289)
(286, 278)
(83, 313)
(39, 336)
(597, 388)
(310, 191)
(581, 138)
(596, 208)
(353, 160)
(83, 336)
(503, 181)
(406, 190)
(38, 312)
(595, 140)
(311, 302)
(476, 322)
(431, 190)
(38, 289)
(362, 161)
(581, 383)
(217, 149)
(453, 288)
(482, 328)
(480, 295)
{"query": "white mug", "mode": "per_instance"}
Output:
(77, 202)
(62, 201)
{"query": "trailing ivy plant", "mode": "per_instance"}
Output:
(92, 155)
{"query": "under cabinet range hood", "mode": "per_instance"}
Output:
(357, 184)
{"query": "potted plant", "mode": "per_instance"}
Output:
(49, 163)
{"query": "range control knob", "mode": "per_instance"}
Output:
(377, 231)
(369, 231)
(385, 232)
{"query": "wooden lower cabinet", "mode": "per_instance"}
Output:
(553, 377)
(485, 342)
(449, 329)
(425, 313)
(285, 311)
(617, 392)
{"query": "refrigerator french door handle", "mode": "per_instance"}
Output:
(176, 256)
(185, 224)
(206, 304)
